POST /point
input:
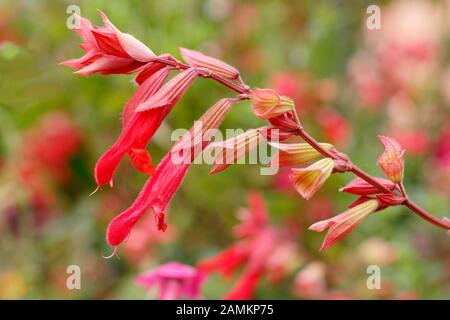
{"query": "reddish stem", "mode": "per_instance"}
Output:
(242, 88)
(365, 176)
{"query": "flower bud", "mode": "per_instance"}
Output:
(392, 160)
(267, 103)
(361, 187)
(198, 59)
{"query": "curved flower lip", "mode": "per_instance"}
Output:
(165, 181)
(309, 180)
(226, 261)
(244, 288)
(361, 187)
(295, 153)
(198, 59)
(342, 224)
(138, 128)
(392, 161)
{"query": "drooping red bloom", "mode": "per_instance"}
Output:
(261, 250)
(160, 188)
(43, 158)
(141, 126)
(108, 50)
(340, 225)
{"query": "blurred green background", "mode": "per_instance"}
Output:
(349, 83)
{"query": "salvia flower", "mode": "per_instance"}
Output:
(166, 179)
(309, 180)
(392, 160)
(262, 250)
(361, 187)
(294, 154)
(174, 280)
(137, 130)
(267, 103)
(108, 50)
(230, 150)
(141, 126)
(340, 225)
(216, 66)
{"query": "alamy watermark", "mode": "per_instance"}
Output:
(73, 281)
(374, 279)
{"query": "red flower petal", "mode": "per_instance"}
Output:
(137, 132)
(142, 160)
(160, 188)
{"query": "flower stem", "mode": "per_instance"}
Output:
(241, 88)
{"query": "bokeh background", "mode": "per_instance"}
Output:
(349, 83)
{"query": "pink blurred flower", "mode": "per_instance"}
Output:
(173, 280)
(442, 153)
(336, 128)
(377, 251)
(310, 281)
(144, 237)
(261, 250)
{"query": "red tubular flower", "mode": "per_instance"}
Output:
(253, 219)
(341, 225)
(361, 187)
(108, 50)
(230, 150)
(226, 261)
(168, 175)
(216, 66)
(142, 125)
(138, 128)
(244, 288)
(261, 250)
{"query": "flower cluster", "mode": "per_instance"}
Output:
(110, 51)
